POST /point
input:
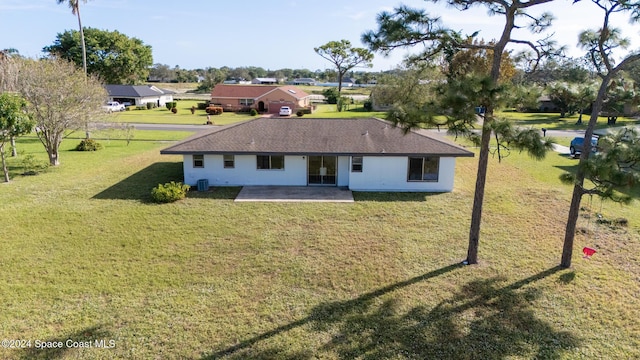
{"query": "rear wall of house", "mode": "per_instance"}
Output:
(389, 173)
(245, 172)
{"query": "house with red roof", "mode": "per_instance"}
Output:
(263, 98)
(366, 154)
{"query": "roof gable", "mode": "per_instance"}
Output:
(135, 90)
(240, 91)
(289, 90)
(367, 136)
(227, 91)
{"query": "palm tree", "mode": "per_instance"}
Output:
(74, 5)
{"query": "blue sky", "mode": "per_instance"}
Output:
(272, 34)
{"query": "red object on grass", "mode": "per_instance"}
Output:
(588, 251)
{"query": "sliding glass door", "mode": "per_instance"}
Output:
(322, 170)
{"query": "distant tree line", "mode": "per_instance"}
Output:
(210, 76)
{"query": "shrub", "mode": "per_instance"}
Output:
(141, 107)
(89, 145)
(214, 110)
(129, 108)
(299, 113)
(331, 95)
(151, 105)
(32, 166)
(202, 105)
(342, 103)
(368, 105)
(169, 192)
(253, 112)
(168, 105)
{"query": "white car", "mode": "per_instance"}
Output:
(113, 106)
(285, 111)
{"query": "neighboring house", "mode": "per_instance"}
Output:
(304, 81)
(264, 81)
(546, 105)
(348, 81)
(263, 98)
(362, 154)
(139, 94)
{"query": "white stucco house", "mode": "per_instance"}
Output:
(139, 94)
(361, 154)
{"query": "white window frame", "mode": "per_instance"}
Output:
(270, 162)
(198, 158)
(356, 164)
(422, 178)
(229, 161)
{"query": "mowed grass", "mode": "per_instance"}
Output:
(330, 111)
(553, 121)
(162, 115)
(184, 116)
(85, 256)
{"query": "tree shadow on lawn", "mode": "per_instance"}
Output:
(138, 186)
(483, 320)
(84, 336)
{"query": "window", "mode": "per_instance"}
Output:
(270, 162)
(356, 164)
(246, 102)
(423, 169)
(198, 161)
(229, 161)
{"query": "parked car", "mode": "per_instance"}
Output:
(577, 145)
(113, 106)
(285, 111)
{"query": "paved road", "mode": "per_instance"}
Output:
(165, 127)
(195, 128)
(178, 127)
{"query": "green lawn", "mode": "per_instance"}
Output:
(86, 257)
(553, 121)
(353, 111)
(183, 116)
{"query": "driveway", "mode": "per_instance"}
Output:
(294, 194)
(563, 150)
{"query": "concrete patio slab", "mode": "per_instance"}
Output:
(294, 194)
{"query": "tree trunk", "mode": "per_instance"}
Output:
(478, 197)
(4, 164)
(483, 161)
(53, 159)
(84, 47)
(572, 221)
(579, 122)
(14, 150)
(53, 156)
(578, 191)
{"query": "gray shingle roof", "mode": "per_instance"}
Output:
(135, 91)
(367, 136)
